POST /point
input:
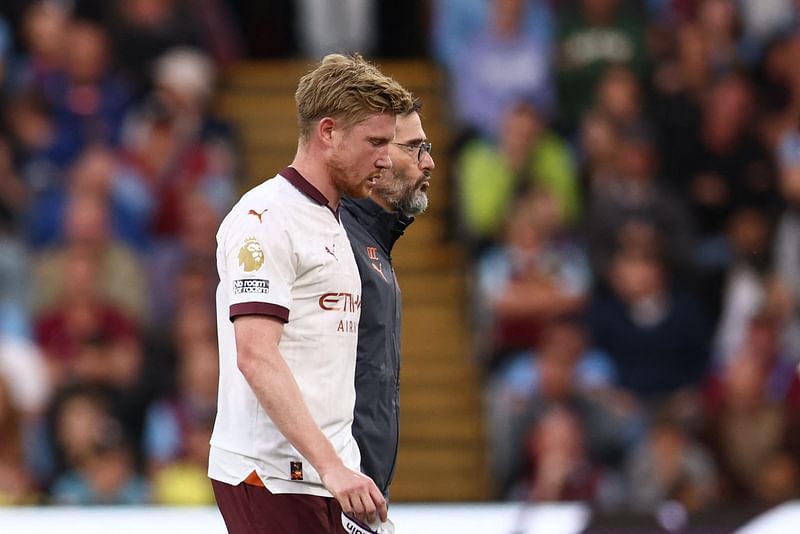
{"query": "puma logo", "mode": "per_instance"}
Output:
(378, 267)
(332, 252)
(257, 214)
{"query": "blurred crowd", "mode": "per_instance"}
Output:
(624, 175)
(114, 174)
(626, 179)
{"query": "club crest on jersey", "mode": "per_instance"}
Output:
(296, 470)
(251, 255)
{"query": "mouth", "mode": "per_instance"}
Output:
(424, 185)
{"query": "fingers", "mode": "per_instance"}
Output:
(369, 508)
(358, 495)
(380, 502)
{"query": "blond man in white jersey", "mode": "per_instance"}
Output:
(283, 458)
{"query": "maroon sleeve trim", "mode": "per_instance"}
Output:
(259, 308)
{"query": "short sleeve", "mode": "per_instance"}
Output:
(259, 264)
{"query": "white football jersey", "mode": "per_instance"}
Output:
(283, 252)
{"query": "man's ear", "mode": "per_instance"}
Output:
(326, 128)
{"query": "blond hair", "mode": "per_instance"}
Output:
(348, 89)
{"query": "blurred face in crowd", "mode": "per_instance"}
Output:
(507, 15)
(618, 94)
(727, 110)
(147, 13)
(635, 158)
(521, 127)
(405, 186)
(79, 424)
(635, 276)
(749, 233)
(744, 379)
(45, 26)
(86, 52)
(717, 17)
(87, 220)
(559, 432)
(599, 11)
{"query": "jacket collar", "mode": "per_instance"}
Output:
(384, 226)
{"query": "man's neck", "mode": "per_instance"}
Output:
(380, 201)
(315, 172)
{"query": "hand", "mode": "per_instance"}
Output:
(357, 494)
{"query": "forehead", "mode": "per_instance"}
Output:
(409, 127)
(375, 125)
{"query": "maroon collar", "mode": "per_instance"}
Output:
(307, 188)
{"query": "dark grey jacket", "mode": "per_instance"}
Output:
(373, 232)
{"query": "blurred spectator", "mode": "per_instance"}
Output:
(656, 334)
(41, 155)
(670, 466)
(16, 485)
(179, 427)
(193, 403)
(104, 474)
(787, 239)
(497, 67)
(341, 26)
(456, 22)
(536, 275)
(778, 85)
(594, 34)
(186, 270)
(564, 375)
(79, 313)
(143, 30)
(120, 282)
(747, 290)
(778, 480)
(761, 21)
(619, 97)
(89, 99)
(760, 342)
(490, 175)
(116, 366)
(718, 22)
(599, 144)
(44, 29)
(268, 29)
(21, 364)
(745, 428)
(680, 82)
(96, 173)
(75, 421)
(721, 163)
(559, 467)
(174, 147)
(627, 205)
(5, 53)
(185, 482)
(13, 193)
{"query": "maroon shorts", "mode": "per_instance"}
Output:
(249, 509)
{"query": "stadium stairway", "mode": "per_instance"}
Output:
(442, 446)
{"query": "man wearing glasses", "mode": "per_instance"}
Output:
(373, 225)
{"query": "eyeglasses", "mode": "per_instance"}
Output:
(423, 148)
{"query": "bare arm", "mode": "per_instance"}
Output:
(269, 376)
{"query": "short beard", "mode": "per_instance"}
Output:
(339, 173)
(408, 200)
(412, 204)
